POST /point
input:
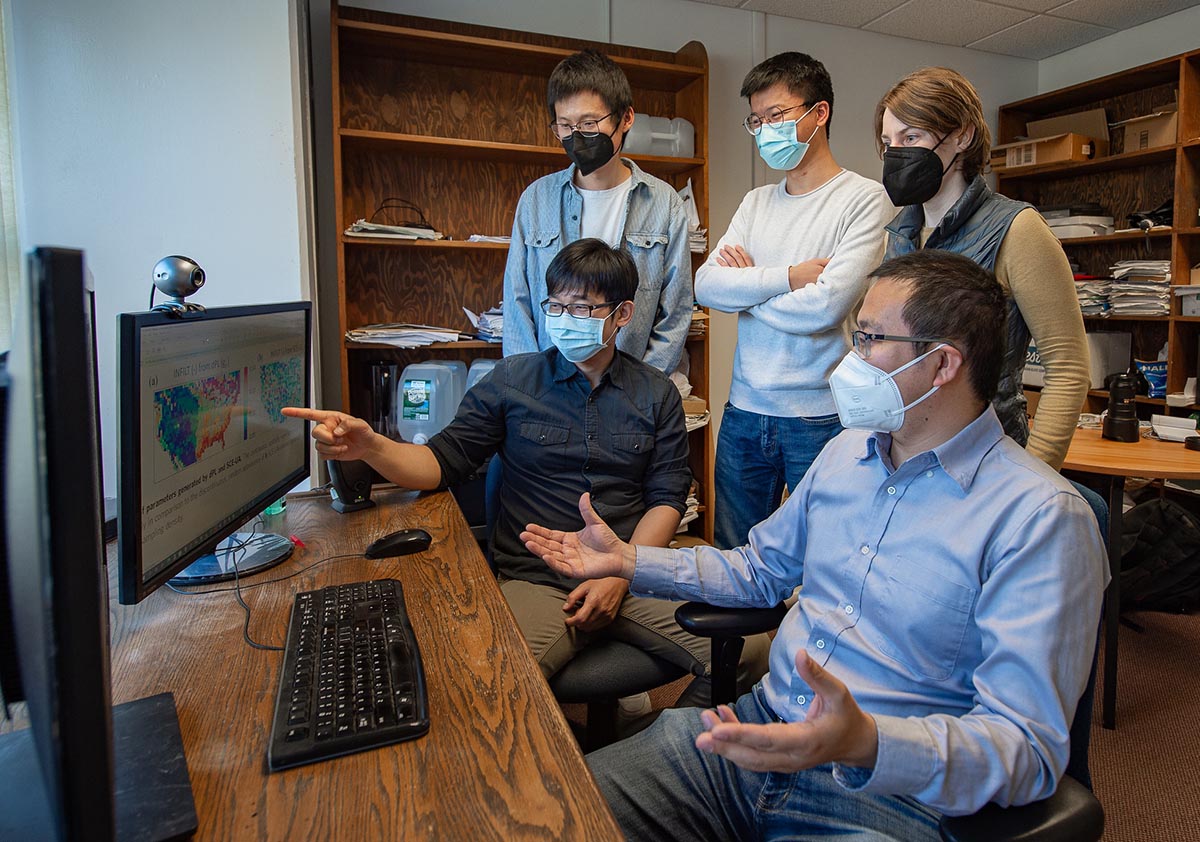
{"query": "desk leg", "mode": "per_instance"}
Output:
(1112, 604)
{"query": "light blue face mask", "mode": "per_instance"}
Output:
(778, 145)
(578, 339)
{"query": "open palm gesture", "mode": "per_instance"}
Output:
(594, 552)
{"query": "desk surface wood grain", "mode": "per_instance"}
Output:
(498, 763)
(1092, 453)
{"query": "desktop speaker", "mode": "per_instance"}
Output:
(351, 485)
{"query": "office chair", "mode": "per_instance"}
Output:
(1072, 813)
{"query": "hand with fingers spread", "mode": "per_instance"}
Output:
(595, 603)
(734, 256)
(594, 552)
(339, 436)
(836, 730)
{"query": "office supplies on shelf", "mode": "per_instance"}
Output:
(404, 335)
(489, 325)
(485, 238)
(352, 677)
(362, 228)
(697, 236)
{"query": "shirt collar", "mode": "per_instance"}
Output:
(909, 223)
(564, 369)
(638, 176)
(959, 458)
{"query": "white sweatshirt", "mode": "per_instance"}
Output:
(790, 341)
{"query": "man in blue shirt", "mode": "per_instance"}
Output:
(605, 196)
(945, 629)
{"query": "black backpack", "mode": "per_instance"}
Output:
(1160, 558)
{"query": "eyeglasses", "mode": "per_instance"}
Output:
(587, 128)
(576, 311)
(774, 117)
(863, 341)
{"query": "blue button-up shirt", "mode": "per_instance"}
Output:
(548, 218)
(957, 596)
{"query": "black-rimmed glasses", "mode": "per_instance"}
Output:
(587, 128)
(863, 341)
(576, 311)
(774, 117)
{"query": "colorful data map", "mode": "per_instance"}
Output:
(194, 417)
(282, 385)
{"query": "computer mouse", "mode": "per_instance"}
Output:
(400, 542)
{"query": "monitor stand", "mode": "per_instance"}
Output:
(252, 552)
(152, 792)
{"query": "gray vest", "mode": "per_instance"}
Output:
(975, 227)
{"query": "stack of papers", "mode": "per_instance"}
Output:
(692, 510)
(1093, 296)
(362, 228)
(1140, 288)
(484, 238)
(404, 335)
(695, 422)
(489, 325)
(697, 236)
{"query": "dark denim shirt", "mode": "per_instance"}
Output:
(623, 441)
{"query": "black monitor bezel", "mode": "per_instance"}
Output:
(131, 587)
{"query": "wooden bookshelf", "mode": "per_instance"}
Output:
(1124, 182)
(452, 117)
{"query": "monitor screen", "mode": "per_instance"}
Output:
(53, 561)
(203, 446)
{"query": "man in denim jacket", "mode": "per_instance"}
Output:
(608, 197)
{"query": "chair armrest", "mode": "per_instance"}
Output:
(705, 620)
(1071, 814)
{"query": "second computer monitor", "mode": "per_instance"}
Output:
(203, 446)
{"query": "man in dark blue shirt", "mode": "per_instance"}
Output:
(580, 416)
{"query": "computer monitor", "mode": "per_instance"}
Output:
(202, 445)
(61, 777)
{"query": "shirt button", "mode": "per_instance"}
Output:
(591, 436)
(820, 644)
(637, 447)
(929, 474)
(864, 549)
(891, 489)
(541, 438)
(799, 700)
(574, 217)
(849, 610)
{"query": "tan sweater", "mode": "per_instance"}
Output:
(1033, 269)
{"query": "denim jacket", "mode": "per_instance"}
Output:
(548, 218)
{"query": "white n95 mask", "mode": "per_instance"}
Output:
(867, 398)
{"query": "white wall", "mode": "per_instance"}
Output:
(863, 65)
(1167, 36)
(152, 127)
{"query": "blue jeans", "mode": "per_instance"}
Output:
(756, 456)
(661, 787)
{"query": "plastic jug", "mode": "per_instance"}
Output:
(480, 368)
(458, 370)
(424, 400)
(661, 136)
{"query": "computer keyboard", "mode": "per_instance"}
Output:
(352, 677)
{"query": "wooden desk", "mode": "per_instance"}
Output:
(498, 763)
(1091, 453)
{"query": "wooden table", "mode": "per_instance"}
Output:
(498, 763)
(1091, 453)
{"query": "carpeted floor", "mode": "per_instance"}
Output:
(1145, 772)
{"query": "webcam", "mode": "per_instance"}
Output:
(177, 277)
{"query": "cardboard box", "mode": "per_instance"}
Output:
(1150, 130)
(694, 406)
(1042, 150)
(1092, 123)
(1195, 274)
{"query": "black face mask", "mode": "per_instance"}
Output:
(912, 175)
(589, 153)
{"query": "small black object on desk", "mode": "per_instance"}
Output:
(350, 485)
(1121, 423)
(400, 542)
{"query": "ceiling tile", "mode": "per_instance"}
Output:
(954, 22)
(845, 13)
(729, 3)
(1120, 14)
(1040, 37)
(1031, 5)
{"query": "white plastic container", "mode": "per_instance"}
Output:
(425, 401)
(480, 368)
(661, 136)
(458, 370)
